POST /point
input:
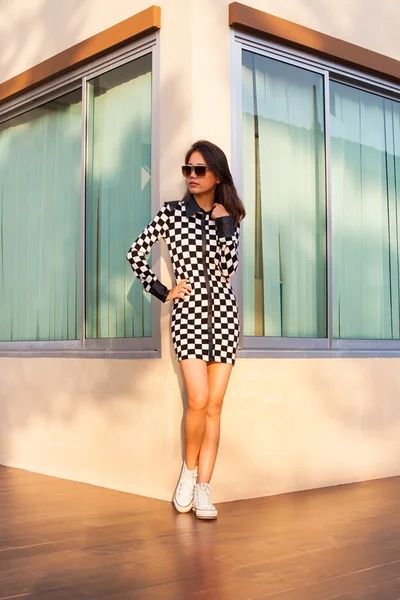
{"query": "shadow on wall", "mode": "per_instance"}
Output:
(47, 395)
(366, 23)
(21, 46)
(21, 38)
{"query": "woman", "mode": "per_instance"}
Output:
(202, 234)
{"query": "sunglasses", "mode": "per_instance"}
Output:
(199, 170)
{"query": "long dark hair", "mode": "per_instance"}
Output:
(225, 192)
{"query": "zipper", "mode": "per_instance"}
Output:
(208, 287)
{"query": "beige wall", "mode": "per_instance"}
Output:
(31, 31)
(288, 424)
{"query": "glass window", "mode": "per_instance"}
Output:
(41, 200)
(365, 151)
(118, 199)
(284, 251)
(40, 191)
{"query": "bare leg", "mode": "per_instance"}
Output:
(196, 380)
(218, 378)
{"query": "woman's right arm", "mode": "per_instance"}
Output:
(140, 249)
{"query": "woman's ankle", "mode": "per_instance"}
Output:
(191, 466)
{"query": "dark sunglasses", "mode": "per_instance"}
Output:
(199, 170)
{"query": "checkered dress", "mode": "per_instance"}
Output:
(204, 251)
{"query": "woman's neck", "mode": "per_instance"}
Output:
(205, 201)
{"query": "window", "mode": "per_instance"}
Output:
(118, 199)
(319, 168)
(365, 149)
(284, 287)
(75, 190)
(40, 166)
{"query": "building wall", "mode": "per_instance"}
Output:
(35, 30)
(288, 424)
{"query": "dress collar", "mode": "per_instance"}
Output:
(192, 207)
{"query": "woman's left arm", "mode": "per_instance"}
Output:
(228, 245)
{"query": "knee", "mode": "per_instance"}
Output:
(214, 410)
(198, 403)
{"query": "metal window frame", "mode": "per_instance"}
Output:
(145, 347)
(276, 347)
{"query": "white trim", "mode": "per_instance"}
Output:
(328, 212)
(236, 158)
(155, 179)
(83, 209)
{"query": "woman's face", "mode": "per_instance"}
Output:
(200, 185)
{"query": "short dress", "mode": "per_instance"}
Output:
(204, 251)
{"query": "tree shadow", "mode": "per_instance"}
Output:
(21, 36)
(63, 390)
(375, 31)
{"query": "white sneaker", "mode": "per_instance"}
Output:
(183, 496)
(202, 504)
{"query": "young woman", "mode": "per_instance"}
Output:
(202, 235)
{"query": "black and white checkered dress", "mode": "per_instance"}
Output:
(204, 251)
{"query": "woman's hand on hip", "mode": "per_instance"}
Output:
(180, 292)
(219, 211)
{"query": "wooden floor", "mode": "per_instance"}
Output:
(63, 540)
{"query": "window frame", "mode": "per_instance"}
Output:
(260, 347)
(145, 347)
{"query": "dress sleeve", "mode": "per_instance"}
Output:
(140, 249)
(228, 245)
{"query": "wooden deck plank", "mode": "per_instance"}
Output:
(61, 539)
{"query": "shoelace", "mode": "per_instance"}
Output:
(188, 479)
(203, 491)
